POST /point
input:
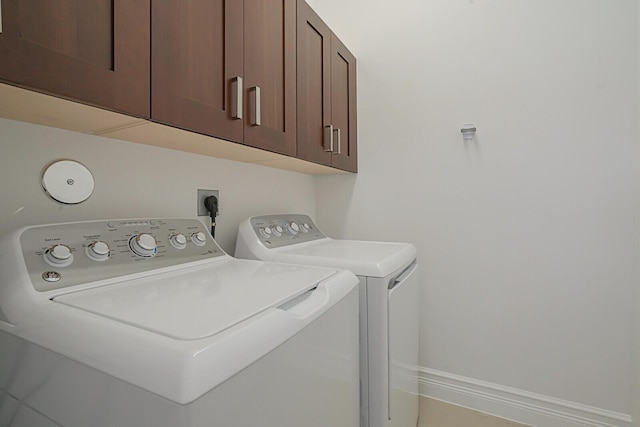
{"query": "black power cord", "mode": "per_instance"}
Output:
(211, 203)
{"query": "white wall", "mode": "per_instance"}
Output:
(528, 238)
(134, 180)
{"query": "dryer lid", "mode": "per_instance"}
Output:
(364, 258)
(198, 302)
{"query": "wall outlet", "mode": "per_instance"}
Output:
(203, 194)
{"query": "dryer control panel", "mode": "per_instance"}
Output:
(275, 231)
(62, 255)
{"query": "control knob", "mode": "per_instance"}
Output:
(277, 231)
(266, 232)
(58, 256)
(98, 251)
(293, 228)
(144, 245)
(199, 238)
(178, 241)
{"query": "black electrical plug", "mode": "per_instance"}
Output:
(211, 203)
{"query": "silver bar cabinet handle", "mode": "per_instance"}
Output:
(254, 105)
(0, 16)
(327, 140)
(236, 97)
(339, 143)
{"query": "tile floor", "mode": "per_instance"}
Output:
(434, 413)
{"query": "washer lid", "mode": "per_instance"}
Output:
(372, 259)
(198, 302)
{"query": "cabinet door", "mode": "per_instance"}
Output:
(92, 51)
(270, 66)
(196, 54)
(314, 85)
(344, 105)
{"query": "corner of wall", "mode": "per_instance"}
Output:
(636, 391)
(636, 357)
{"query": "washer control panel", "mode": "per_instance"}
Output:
(57, 256)
(275, 231)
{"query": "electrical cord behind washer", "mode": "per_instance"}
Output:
(211, 203)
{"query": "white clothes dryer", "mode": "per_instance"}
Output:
(148, 323)
(389, 295)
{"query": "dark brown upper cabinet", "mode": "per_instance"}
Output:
(197, 51)
(327, 122)
(227, 69)
(264, 73)
(270, 74)
(92, 51)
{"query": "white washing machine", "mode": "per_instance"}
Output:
(389, 295)
(149, 323)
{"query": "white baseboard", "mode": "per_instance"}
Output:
(513, 404)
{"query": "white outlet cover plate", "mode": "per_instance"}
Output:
(68, 182)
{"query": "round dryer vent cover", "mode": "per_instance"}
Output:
(68, 182)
